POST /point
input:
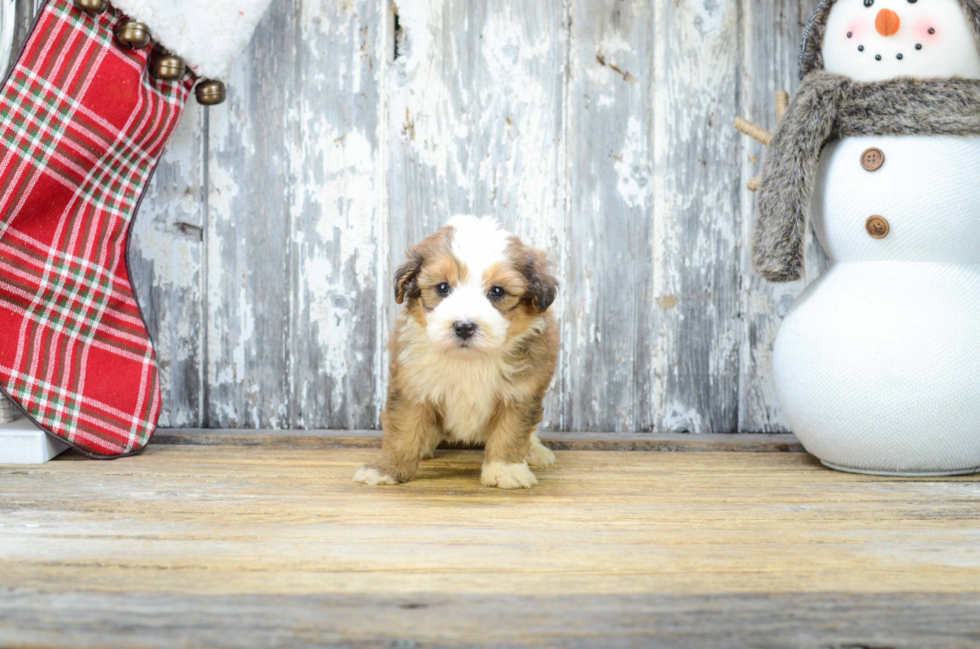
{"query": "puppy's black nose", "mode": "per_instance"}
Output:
(464, 329)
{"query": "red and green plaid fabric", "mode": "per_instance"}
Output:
(82, 125)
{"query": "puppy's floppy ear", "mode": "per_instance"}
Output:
(406, 277)
(542, 286)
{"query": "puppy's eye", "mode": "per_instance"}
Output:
(868, 3)
(443, 289)
(912, 2)
(496, 292)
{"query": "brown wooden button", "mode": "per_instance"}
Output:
(877, 227)
(872, 159)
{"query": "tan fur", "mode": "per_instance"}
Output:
(491, 396)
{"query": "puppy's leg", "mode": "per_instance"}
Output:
(507, 445)
(432, 440)
(407, 427)
(539, 454)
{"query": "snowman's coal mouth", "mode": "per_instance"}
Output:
(899, 55)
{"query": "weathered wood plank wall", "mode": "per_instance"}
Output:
(771, 34)
(599, 130)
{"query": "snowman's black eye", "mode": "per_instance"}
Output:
(868, 3)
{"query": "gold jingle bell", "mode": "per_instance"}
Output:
(133, 35)
(92, 6)
(210, 92)
(168, 68)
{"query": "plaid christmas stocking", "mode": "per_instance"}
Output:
(82, 125)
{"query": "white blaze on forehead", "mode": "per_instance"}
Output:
(951, 51)
(478, 243)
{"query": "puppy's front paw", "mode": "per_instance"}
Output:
(539, 454)
(371, 476)
(507, 476)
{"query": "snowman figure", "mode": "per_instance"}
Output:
(877, 364)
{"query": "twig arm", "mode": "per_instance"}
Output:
(760, 134)
(754, 131)
(782, 103)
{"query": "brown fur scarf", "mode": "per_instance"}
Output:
(829, 106)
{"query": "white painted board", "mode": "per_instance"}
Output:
(21, 442)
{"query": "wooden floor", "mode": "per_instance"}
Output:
(274, 546)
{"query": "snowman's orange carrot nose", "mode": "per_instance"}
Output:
(887, 22)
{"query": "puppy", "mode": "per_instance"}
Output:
(472, 355)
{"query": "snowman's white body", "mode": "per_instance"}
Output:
(877, 364)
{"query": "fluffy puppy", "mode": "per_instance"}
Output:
(472, 355)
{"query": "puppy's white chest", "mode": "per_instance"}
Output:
(465, 415)
(466, 391)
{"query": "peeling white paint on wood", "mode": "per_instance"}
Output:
(8, 31)
(475, 104)
(8, 25)
(336, 215)
(610, 324)
(598, 130)
(6, 411)
(696, 215)
(770, 44)
(166, 266)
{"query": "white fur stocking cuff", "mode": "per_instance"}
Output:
(207, 34)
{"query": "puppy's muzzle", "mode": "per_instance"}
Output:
(464, 329)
